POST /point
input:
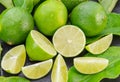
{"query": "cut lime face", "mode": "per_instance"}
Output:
(14, 60)
(39, 47)
(37, 70)
(59, 71)
(69, 40)
(100, 45)
(90, 65)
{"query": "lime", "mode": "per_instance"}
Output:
(70, 4)
(37, 70)
(100, 45)
(69, 40)
(39, 47)
(15, 24)
(14, 59)
(90, 17)
(90, 65)
(49, 16)
(59, 71)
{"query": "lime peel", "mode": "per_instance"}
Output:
(37, 70)
(39, 47)
(14, 59)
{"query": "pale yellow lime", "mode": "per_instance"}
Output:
(59, 71)
(90, 65)
(37, 70)
(69, 40)
(14, 59)
(100, 45)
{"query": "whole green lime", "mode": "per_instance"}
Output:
(90, 17)
(15, 24)
(49, 16)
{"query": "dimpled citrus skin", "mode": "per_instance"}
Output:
(90, 17)
(15, 24)
(49, 16)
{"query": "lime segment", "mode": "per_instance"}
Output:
(90, 65)
(39, 47)
(69, 40)
(37, 70)
(100, 45)
(14, 59)
(59, 71)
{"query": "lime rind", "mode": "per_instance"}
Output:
(38, 50)
(14, 59)
(37, 70)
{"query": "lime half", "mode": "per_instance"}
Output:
(14, 59)
(90, 65)
(69, 40)
(39, 47)
(59, 71)
(37, 70)
(100, 45)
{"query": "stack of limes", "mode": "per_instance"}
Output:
(87, 19)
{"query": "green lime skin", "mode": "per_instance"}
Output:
(90, 17)
(35, 52)
(15, 24)
(49, 16)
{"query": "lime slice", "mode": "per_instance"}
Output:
(37, 70)
(69, 40)
(90, 65)
(100, 45)
(39, 47)
(14, 59)
(59, 71)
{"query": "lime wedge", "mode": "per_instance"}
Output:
(69, 40)
(90, 65)
(39, 47)
(37, 70)
(14, 59)
(100, 45)
(59, 71)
